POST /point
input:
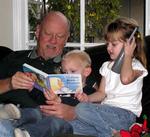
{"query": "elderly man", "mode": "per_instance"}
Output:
(17, 88)
(52, 34)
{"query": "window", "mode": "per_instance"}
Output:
(87, 17)
(147, 17)
(22, 39)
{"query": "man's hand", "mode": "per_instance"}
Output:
(22, 80)
(59, 110)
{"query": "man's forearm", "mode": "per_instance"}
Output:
(71, 115)
(5, 85)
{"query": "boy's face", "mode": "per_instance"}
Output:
(73, 66)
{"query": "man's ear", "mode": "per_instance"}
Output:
(87, 71)
(67, 37)
(37, 32)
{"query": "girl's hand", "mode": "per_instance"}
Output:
(51, 96)
(129, 47)
(82, 97)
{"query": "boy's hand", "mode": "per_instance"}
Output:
(82, 97)
(51, 96)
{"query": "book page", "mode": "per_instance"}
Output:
(65, 83)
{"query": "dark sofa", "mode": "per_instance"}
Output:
(4, 51)
(99, 55)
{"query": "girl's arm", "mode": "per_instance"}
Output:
(99, 95)
(128, 74)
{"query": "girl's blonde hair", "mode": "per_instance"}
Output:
(121, 29)
(81, 56)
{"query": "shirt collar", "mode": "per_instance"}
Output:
(33, 55)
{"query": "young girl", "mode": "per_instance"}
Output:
(119, 95)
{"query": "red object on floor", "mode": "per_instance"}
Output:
(125, 133)
(144, 126)
(136, 130)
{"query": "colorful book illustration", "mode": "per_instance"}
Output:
(59, 83)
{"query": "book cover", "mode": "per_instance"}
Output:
(59, 83)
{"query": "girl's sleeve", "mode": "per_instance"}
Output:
(104, 68)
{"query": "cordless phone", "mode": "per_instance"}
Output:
(118, 62)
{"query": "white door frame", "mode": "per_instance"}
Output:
(20, 24)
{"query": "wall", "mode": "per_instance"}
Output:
(6, 23)
(134, 9)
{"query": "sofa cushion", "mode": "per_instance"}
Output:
(4, 51)
(146, 85)
(98, 55)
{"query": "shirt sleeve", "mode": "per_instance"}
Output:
(136, 64)
(104, 68)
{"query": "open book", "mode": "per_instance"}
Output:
(59, 83)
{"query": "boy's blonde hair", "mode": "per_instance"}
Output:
(81, 56)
